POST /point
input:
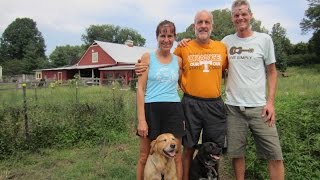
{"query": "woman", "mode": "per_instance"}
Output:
(158, 103)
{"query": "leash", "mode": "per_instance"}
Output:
(209, 174)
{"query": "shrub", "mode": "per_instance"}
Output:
(57, 120)
(303, 59)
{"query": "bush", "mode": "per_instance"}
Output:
(66, 122)
(303, 59)
(298, 126)
(133, 83)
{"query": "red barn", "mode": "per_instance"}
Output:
(103, 60)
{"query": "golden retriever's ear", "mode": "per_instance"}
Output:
(152, 148)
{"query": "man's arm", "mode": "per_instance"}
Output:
(140, 67)
(269, 110)
(180, 69)
(183, 42)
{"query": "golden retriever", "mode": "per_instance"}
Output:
(160, 163)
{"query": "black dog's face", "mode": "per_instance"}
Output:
(206, 163)
(209, 153)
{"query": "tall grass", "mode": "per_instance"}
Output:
(300, 81)
(298, 115)
(94, 129)
(62, 117)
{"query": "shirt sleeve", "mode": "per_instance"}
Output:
(177, 52)
(269, 51)
(225, 62)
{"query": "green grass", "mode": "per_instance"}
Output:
(301, 81)
(297, 113)
(102, 152)
(98, 162)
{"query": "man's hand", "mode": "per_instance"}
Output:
(140, 67)
(183, 42)
(269, 114)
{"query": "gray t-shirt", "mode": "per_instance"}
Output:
(248, 57)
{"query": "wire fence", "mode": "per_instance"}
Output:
(35, 84)
(91, 112)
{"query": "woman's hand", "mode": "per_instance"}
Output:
(143, 129)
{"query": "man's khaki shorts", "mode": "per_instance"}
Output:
(240, 121)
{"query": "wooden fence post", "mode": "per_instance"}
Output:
(35, 92)
(114, 99)
(77, 99)
(26, 121)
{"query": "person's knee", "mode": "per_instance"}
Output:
(237, 158)
(187, 156)
(143, 158)
(276, 162)
(276, 169)
(178, 156)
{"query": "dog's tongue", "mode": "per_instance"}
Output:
(172, 153)
(215, 156)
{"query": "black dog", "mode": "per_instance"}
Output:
(205, 164)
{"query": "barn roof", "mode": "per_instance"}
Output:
(123, 53)
(126, 67)
(77, 67)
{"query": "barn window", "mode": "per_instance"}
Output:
(94, 57)
(38, 75)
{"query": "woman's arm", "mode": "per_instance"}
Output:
(141, 89)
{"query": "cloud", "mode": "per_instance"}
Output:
(62, 20)
(68, 15)
(287, 14)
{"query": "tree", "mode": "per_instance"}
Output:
(189, 33)
(126, 33)
(32, 59)
(22, 41)
(21, 33)
(312, 20)
(300, 48)
(314, 43)
(282, 46)
(13, 67)
(222, 26)
(111, 33)
(66, 55)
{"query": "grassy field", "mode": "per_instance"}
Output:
(96, 162)
(88, 133)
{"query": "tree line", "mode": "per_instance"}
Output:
(22, 46)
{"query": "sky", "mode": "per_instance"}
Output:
(64, 22)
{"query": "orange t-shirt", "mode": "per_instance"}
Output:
(202, 68)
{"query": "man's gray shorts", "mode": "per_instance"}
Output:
(208, 115)
(240, 121)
